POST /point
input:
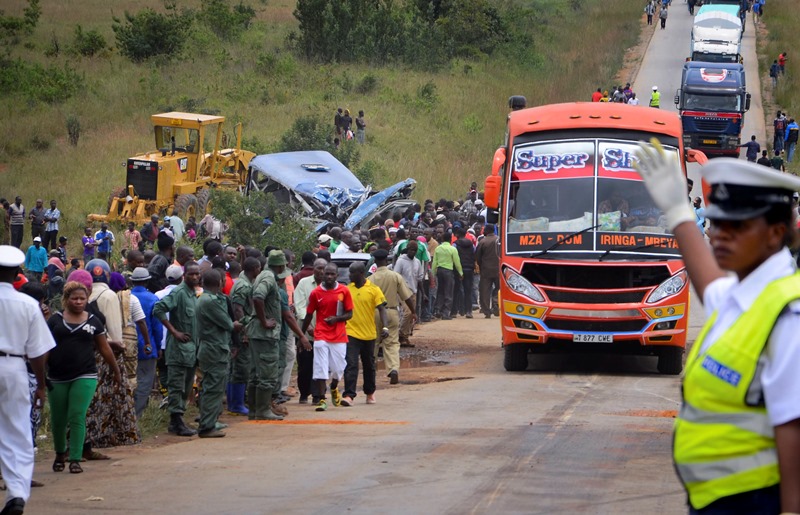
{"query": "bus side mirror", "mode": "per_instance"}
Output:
(747, 102)
(677, 97)
(493, 184)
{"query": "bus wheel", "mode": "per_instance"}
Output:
(670, 360)
(516, 359)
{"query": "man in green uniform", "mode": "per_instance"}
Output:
(214, 328)
(241, 298)
(395, 290)
(264, 333)
(181, 352)
(277, 264)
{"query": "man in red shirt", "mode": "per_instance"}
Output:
(333, 306)
(597, 95)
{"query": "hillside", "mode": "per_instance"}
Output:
(439, 127)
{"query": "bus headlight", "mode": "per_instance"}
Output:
(668, 288)
(521, 285)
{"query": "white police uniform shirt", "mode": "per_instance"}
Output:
(23, 332)
(730, 298)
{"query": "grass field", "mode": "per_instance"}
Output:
(578, 46)
(781, 20)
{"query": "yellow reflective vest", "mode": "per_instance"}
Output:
(724, 442)
(655, 99)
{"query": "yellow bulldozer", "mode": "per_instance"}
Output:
(178, 176)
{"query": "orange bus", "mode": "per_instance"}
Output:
(586, 259)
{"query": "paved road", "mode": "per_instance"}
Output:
(580, 435)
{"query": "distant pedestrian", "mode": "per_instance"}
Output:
(650, 10)
(619, 96)
(361, 127)
(36, 217)
(691, 3)
(597, 95)
(347, 123)
(633, 101)
(774, 70)
(753, 148)
(51, 217)
(779, 127)
(764, 160)
(655, 98)
(792, 131)
(89, 244)
(16, 213)
(6, 222)
(663, 16)
(782, 62)
(36, 259)
(337, 122)
(777, 162)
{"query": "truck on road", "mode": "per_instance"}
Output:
(587, 262)
(712, 101)
(717, 37)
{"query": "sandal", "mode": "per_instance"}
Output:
(75, 467)
(58, 464)
(95, 456)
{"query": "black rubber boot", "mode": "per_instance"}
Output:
(178, 427)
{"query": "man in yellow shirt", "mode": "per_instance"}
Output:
(362, 333)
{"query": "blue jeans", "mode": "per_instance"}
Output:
(777, 143)
(790, 151)
(766, 501)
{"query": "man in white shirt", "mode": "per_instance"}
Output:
(23, 333)
(412, 271)
(305, 359)
(347, 244)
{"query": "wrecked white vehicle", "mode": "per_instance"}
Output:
(324, 190)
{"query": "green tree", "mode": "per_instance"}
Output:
(225, 21)
(148, 34)
(245, 217)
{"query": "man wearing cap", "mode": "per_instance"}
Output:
(288, 322)
(51, 217)
(36, 259)
(23, 333)
(655, 98)
(181, 352)
(737, 435)
(263, 333)
(158, 266)
(395, 290)
(241, 299)
(166, 229)
(214, 326)
(324, 240)
(148, 351)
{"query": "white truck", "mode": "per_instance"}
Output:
(717, 37)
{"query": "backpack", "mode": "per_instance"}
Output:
(780, 123)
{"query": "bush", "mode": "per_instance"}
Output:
(245, 216)
(11, 26)
(88, 43)
(307, 133)
(367, 84)
(51, 85)
(224, 21)
(149, 34)
(73, 129)
(427, 97)
(369, 172)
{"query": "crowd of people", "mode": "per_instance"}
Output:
(226, 330)
(626, 95)
(343, 127)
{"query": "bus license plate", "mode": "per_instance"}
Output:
(593, 338)
(709, 142)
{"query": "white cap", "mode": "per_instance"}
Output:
(478, 202)
(324, 238)
(655, 88)
(173, 273)
(37, 239)
(11, 257)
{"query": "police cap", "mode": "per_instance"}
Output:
(741, 190)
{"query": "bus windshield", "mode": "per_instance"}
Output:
(559, 188)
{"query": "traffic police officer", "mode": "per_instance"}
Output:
(655, 98)
(23, 333)
(737, 436)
